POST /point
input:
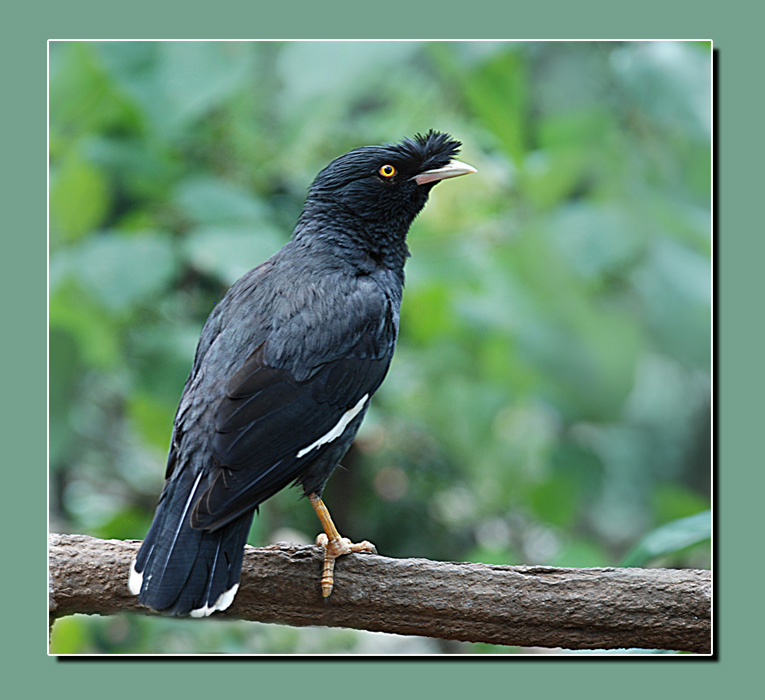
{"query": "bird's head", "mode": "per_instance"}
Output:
(387, 185)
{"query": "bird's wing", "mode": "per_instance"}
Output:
(270, 427)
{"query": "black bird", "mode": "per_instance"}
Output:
(284, 371)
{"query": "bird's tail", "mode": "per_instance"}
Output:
(181, 570)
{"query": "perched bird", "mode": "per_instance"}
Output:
(284, 371)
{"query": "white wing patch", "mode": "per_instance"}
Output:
(135, 580)
(338, 430)
(224, 600)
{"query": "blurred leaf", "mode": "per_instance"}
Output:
(595, 240)
(670, 538)
(176, 82)
(69, 636)
(119, 270)
(79, 198)
(124, 524)
(96, 333)
(82, 97)
(576, 131)
(229, 252)
(675, 285)
(671, 82)
(64, 371)
(556, 500)
(577, 152)
(310, 69)
(428, 313)
(142, 171)
(487, 555)
(496, 91)
(581, 553)
(549, 176)
(161, 359)
(209, 200)
(153, 418)
(673, 501)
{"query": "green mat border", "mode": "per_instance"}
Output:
(739, 347)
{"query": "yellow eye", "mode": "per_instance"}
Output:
(387, 171)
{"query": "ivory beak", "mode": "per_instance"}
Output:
(452, 169)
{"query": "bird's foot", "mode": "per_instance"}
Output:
(334, 548)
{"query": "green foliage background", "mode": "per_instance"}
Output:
(549, 401)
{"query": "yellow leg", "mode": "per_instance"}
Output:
(334, 545)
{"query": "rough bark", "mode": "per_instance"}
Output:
(542, 606)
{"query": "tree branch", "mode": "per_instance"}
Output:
(599, 608)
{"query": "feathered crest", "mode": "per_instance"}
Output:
(431, 150)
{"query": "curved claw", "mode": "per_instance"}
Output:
(334, 548)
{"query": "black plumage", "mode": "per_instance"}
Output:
(284, 370)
